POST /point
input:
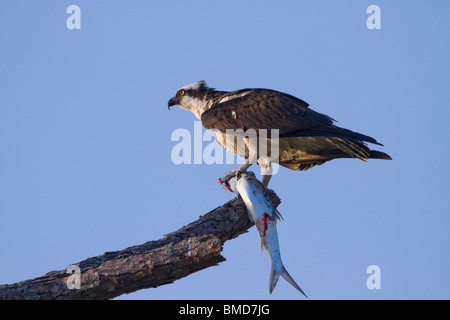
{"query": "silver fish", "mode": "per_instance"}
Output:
(262, 212)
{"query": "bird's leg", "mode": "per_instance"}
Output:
(265, 180)
(266, 170)
(243, 168)
(237, 171)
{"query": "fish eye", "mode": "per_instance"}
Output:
(181, 92)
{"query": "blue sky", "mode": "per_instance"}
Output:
(85, 144)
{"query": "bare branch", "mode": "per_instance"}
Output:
(192, 248)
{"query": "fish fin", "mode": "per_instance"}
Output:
(278, 215)
(273, 279)
(289, 279)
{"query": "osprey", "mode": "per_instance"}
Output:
(306, 138)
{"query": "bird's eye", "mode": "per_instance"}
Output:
(181, 92)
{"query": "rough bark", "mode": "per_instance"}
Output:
(192, 248)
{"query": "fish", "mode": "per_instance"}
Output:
(264, 215)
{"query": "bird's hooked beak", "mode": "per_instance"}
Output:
(173, 101)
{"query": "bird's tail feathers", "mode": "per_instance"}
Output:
(374, 154)
(333, 131)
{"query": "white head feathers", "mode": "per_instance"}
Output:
(196, 85)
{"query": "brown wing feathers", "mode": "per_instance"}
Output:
(270, 109)
(264, 109)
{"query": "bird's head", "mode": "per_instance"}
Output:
(192, 97)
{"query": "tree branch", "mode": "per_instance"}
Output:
(192, 248)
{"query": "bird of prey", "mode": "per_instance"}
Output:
(306, 138)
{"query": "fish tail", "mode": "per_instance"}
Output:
(274, 279)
